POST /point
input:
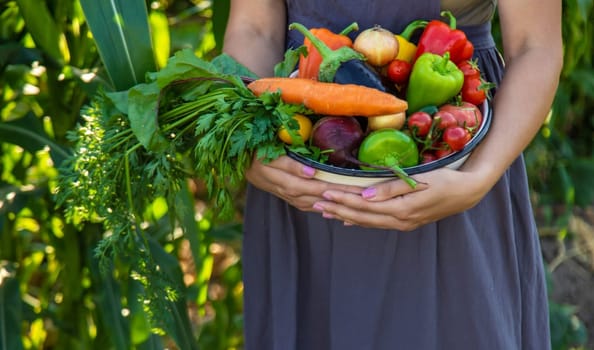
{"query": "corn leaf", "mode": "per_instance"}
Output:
(10, 310)
(28, 133)
(161, 38)
(140, 326)
(108, 300)
(180, 328)
(220, 14)
(44, 29)
(185, 205)
(123, 37)
(581, 170)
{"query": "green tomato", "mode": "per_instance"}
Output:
(388, 148)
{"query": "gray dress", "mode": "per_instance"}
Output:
(471, 281)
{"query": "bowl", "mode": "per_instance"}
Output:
(358, 177)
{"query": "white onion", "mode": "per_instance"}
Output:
(378, 45)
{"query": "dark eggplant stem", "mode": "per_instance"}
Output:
(247, 80)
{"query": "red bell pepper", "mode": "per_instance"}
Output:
(439, 38)
(309, 66)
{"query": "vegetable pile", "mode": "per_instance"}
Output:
(207, 120)
(440, 86)
(389, 106)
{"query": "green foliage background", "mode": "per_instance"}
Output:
(52, 293)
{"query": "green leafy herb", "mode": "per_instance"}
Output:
(290, 62)
(191, 119)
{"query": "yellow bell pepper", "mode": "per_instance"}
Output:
(406, 49)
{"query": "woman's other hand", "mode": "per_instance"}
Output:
(293, 182)
(395, 205)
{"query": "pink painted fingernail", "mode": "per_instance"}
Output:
(327, 215)
(327, 196)
(369, 192)
(308, 171)
(318, 207)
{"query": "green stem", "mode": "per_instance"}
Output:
(451, 18)
(183, 131)
(133, 149)
(393, 168)
(183, 120)
(128, 182)
(331, 59)
(353, 26)
(441, 65)
(404, 176)
(324, 50)
(191, 105)
(123, 140)
(412, 27)
(228, 138)
(129, 194)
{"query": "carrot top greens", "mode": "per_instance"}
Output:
(192, 119)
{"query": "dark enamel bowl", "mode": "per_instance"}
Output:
(360, 177)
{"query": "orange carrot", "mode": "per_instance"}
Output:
(331, 98)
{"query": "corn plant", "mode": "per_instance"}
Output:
(55, 291)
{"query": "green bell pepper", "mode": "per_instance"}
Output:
(434, 80)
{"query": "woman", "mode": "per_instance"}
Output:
(452, 264)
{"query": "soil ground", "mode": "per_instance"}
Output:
(571, 264)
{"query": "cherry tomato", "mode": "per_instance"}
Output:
(419, 123)
(446, 119)
(428, 157)
(467, 114)
(443, 150)
(456, 137)
(470, 69)
(473, 91)
(399, 71)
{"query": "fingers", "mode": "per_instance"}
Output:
(292, 182)
(352, 214)
(395, 205)
(390, 189)
(358, 206)
(351, 209)
(288, 165)
(349, 216)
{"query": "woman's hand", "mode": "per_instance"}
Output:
(293, 182)
(395, 205)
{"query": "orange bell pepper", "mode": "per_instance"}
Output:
(309, 67)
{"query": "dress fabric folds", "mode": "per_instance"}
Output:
(471, 281)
